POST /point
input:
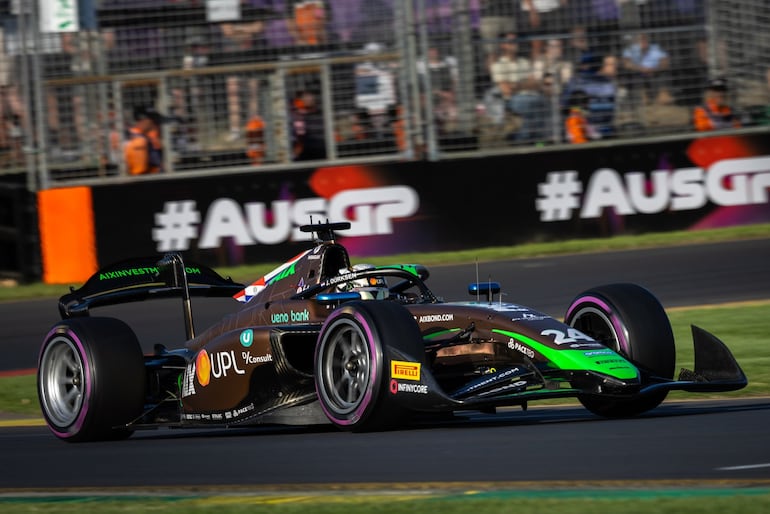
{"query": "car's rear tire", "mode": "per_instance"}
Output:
(629, 319)
(352, 363)
(91, 379)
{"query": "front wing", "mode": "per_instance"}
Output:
(715, 370)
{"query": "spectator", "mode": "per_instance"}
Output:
(715, 113)
(646, 71)
(577, 127)
(552, 100)
(579, 51)
(553, 62)
(308, 128)
(442, 74)
(497, 17)
(541, 18)
(527, 100)
(308, 24)
(499, 122)
(242, 42)
(690, 69)
(11, 105)
(375, 84)
(143, 151)
(508, 65)
(594, 90)
(529, 104)
(255, 140)
(14, 136)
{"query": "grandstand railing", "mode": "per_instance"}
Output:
(414, 80)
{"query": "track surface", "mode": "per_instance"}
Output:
(678, 441)
(683, 441)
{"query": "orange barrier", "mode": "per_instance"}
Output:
(67, 239)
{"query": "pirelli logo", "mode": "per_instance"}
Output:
(405, 370)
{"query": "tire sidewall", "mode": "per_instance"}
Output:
(391, 331)
(113, 376)
(357, 315)
(55, 336)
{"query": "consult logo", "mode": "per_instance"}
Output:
(405, 370)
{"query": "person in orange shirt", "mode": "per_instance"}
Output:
(715, 113)
(143, 150)
(577, 128)
(255, 140)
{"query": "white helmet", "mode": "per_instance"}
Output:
(369, 288)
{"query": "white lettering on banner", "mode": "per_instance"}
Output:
(690, 194)
(225, 215)
(605, 189)
(269, 235)
(750, 178)
(637, 191)
(373, 210)
(728, 182)
(370, 211)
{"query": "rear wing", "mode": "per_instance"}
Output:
(146, 278)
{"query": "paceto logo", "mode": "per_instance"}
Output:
(728, 182)
(405, 370)
(370, 211)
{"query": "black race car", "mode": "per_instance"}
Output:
(363, 347)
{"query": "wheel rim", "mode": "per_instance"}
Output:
(346, 366)
(595, 323)
(62, 382)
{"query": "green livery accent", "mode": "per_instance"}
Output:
(612, 364)
(441, 333)
(130, 272)
(414, 269)
(282, 275)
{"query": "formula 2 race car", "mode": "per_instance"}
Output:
(362, 347)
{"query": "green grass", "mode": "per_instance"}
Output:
(570, 501)
(18, 395)
(533, 249)
(744, 328)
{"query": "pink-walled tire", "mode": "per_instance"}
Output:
(91, 379)
(352, 363)
(630, 320)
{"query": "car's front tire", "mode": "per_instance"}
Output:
(91, 379)
(630, 320)
(352, 363)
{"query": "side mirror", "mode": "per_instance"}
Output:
(488, 289)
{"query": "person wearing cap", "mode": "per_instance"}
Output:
(715, 113)
(143, 149)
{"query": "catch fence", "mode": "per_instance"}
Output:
(260, 84)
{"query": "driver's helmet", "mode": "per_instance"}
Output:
(369, 288)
